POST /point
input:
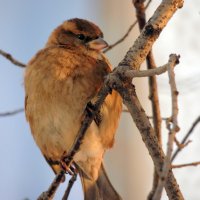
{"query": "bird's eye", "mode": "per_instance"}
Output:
(81, 37)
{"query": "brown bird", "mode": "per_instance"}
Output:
(60, 81)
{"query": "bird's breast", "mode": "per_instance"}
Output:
(58, 89)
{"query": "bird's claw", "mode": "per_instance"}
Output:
(68, 168)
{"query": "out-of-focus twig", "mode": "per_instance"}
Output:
(11, 59)
(126, 34)
(192, 164)
(180, 145)
(147, 5)
(195, 123)
(121, 39)
(10, 113)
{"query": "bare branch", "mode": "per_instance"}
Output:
(53, 187)
(193, 164)
(138, 52)
(146, 73)
(173, 128)
(127, 91)
(153, 89)
(87, 120)
(11, 59)
(195, 123)
(10, 113)
(69, 187)
(153, 96)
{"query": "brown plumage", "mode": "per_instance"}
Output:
(60, 81)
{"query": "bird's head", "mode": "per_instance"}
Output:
(78, 33)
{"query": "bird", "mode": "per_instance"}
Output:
(61, 81)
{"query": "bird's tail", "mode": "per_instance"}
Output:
(101, 189)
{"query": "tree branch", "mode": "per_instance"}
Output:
(69, 187)
(153, 89)
(87, 120)
(127, 91)
(11, 59)
(146, 73)
(138, 52)
(173, 128)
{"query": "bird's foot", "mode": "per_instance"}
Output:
(67, 166)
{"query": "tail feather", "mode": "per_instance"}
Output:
(101, 189)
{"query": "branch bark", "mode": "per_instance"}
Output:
(127, 91)
(173, 128)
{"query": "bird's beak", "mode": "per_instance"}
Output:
(97, 44)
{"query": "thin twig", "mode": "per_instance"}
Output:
(10, 113)
(146, 73)
(179, 145)
(89, 117)
(11, 59)
(193, 164)
(121, 39)
(153, 96)
(195, 123)
(53, 187)
(173, 127)
(147, 5)
(69, 187)
(126, 34)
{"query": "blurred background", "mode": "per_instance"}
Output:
(25, 27)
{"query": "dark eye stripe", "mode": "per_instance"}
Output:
(80, 36)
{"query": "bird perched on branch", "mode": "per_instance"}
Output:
(61, 80)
